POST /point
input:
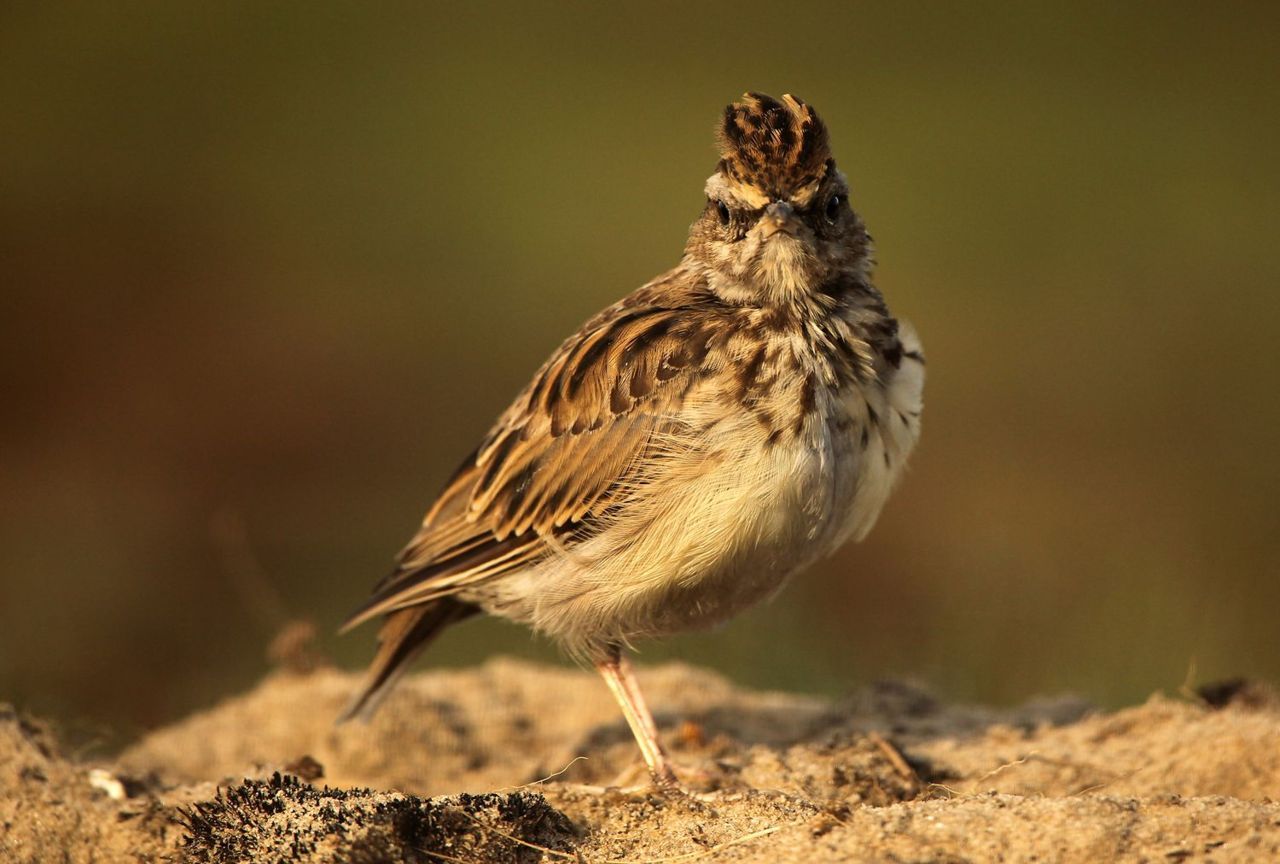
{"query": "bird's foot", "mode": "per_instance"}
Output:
(670, 779)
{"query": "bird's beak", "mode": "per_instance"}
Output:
(779, 216)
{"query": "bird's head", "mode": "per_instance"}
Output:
(777, 225)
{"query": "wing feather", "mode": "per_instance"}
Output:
(568, 448)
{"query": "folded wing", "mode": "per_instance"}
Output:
(573, 444)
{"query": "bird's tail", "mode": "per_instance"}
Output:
(404, 633)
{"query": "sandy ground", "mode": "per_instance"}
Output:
(495, 764)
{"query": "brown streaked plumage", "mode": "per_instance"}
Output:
(691, 446)
(770, 146)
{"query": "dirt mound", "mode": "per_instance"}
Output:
(889, 774)
(286, 819)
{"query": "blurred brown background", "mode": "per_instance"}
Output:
(269, 271)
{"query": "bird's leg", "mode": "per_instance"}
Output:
(617, 673)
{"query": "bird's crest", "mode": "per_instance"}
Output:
(773, 149)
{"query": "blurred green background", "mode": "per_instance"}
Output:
(269, 271)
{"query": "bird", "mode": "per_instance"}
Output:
(691, 447)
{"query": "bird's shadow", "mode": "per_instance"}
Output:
(899, 714)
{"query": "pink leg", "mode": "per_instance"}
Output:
(617, 673)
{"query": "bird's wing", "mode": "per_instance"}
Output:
(574, 443)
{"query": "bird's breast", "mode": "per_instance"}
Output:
(726, 512)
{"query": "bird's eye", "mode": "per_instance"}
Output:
(833, 207)
(722, 210)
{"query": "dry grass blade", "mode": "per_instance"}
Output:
(443, 857)
(575, 760)
(895, 757)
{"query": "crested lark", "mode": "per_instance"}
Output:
(691, 446)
